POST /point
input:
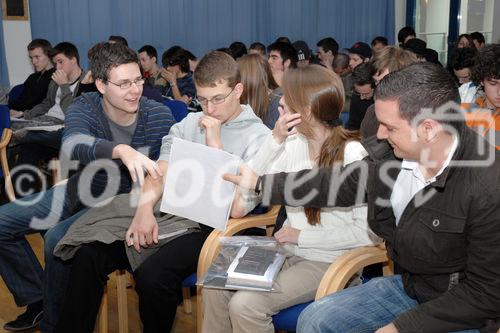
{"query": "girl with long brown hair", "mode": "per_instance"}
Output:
(260, 89)
(307, 134)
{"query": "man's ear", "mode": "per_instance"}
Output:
(287, 63)
(101, 86)
(238, 89)
(430, 129)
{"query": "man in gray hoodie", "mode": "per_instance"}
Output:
(223, 124)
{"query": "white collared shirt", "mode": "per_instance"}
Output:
(411, 180)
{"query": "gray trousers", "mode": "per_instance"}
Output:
(251, 311)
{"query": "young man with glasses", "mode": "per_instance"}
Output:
(103, 132)
(223, 124)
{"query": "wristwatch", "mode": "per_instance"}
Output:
(258, 186)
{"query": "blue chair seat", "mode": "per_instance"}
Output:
(190, 281)
(286, 319)
(179, 109)
(16, 91)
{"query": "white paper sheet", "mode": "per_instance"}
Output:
(194, 187)
(17, 119)
(48, 128)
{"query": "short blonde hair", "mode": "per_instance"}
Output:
(216, 67)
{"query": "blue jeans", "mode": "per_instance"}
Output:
(364, 308)
(19, 266)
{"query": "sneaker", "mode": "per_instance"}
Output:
(27, 320)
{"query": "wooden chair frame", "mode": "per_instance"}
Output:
(335, 278)
(9, 188)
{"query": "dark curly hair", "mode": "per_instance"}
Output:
(487, 65)
(463, 58)
(105, 56)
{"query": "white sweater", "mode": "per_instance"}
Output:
(340, 229)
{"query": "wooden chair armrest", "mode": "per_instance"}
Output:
(6, 136)
(345, 266)
(9, 187)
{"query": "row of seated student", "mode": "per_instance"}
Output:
(120, 124)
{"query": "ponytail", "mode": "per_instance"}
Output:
(332, 152)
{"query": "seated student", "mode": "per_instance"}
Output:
(478, 40)
(405, 34)
(484, 113)
(150, 70)
(465, 40)
(281, 57)
(257, 48)
(362, 95)
(179, 77)
(461, 63)
(312, 237)
(110, 125)
(238, 49)
(117, 39)
(36, 85)
(340, 66)
(390, 59)
(327, 49)
(68, 82)
(224, 124)
(259, 88)
(359, 53)
(378, 44)
(438, 213)
(62, 89)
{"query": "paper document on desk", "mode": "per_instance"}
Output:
(194, 187)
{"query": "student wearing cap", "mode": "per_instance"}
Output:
(303, 53)
(359, 53)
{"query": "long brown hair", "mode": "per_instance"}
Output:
(257, 82)
(318, 93)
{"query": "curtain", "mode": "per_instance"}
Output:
(204, 25)
(4, 73)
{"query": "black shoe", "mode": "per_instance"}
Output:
(27, 320)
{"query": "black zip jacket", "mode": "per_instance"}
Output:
(447, 248)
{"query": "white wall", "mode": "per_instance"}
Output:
(17, 35)
(496, 23)
(400, 17)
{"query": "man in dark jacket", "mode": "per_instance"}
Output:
(433, 193)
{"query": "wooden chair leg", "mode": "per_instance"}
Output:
(55, 166)
(9, 188)
(121, 293)
(103, 313)
(186, 300)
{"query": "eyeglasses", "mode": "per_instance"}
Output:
(363, 95)
(215, 100)
(127, 84)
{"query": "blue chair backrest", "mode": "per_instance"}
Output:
(4, 117)
(16, 91)
(344, 116)
(179, 109)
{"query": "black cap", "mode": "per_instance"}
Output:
(303, 51)
(361, 49)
